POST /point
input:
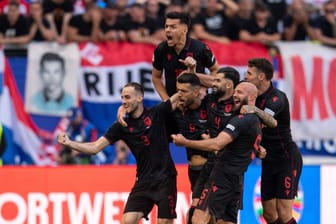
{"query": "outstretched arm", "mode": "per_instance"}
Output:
(211, 144)
(84, 147)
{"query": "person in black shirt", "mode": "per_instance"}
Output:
(175, 55)
(281, 169)
(235, 146)
(261, 27)
(58, 14)
(191, 118)
(169, 57)
(85, 27)
(39, 27)
(142, 29)
(219, 106)
(13, 26)
(111, 25)
(325, 25)
(146, 137)
(297, 23)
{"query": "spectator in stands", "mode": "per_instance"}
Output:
(213, 23)
(39, 27)
(58, 14)
(155, 10)
(23, 6)
(174, 6)
(123, 154)
(261, 28)
(325, 25)
(278, 10)
(297, 23)
(111, 25)
(123, 8)
(85, 27)
(141, 29)
(81, 130)
(52, 96)
(243, 15)
(193, 8)
(13, 26)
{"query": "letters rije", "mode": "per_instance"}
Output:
(104, 84)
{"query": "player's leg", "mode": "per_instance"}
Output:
(132, 217)
(200, 216)
(291, 179)
(270, 213)
(165, 193)
(165, 221)
(285, 208)
(269, 188)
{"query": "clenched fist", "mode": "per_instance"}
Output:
(63, 139)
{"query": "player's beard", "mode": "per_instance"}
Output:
(242, 102)
(133, 110)
(219, 93)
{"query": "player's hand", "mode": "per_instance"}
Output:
(121, 114)
(63, 139)
(205, 136)
(262, 152)
(190, 62)
(247, 109)
(178, 139)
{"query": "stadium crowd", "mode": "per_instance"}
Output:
(142, 21)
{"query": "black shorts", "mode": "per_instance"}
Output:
(280, 178)
(222, 197)
(162, 193)
(202, 179)
(193, 174)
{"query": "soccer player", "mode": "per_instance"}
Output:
(146, 136)
(281, 169)
(235, 145)
(171, 56)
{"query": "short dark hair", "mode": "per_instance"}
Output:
(262, 65)
(137, 87)
(51, 57)
(230, 73)
(190, 78)
(183, 17)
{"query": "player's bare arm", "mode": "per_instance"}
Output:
(265, 117)
(158, 84)
(211, 144)
(84, 147)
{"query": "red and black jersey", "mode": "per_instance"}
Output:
(219, 113)
(276, 140)
(192, 124)
(237, 155)
(166, 59)
(146, 136)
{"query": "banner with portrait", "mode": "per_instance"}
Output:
(52, 78)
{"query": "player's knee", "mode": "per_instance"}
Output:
(200, 217)
(285, 212)
(270, 217)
